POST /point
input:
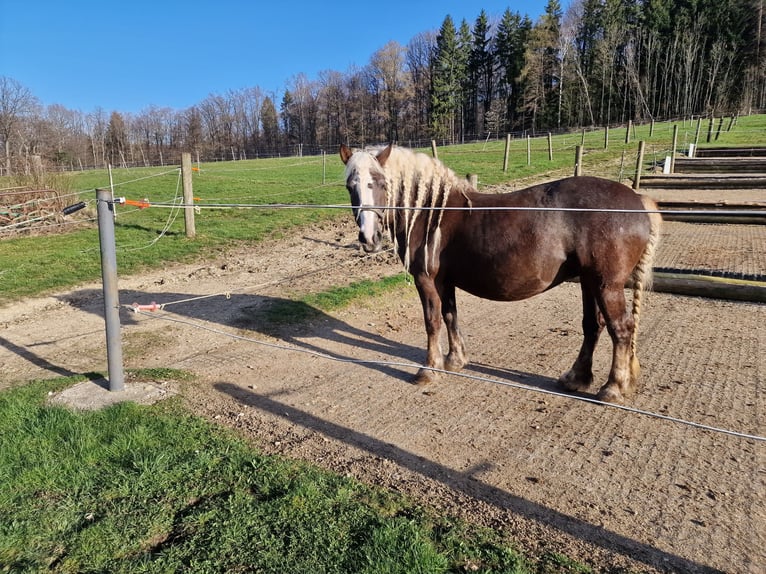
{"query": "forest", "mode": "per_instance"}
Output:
(593, 63)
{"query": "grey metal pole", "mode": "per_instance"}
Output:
(105, 210)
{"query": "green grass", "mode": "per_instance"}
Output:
(308, 307)
(153, 489)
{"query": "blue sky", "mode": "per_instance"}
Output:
(127, 56)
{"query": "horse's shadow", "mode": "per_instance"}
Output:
(298, 325)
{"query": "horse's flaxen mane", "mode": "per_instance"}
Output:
(417, 180)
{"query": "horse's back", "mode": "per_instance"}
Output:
(580, 192)
(548, 233)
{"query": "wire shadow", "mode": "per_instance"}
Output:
(35, 359)
(468, 484)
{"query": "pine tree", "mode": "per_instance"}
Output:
(481, 75)
(509, 48)
(447, 80)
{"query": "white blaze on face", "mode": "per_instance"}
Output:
(368, 220)
(361, 184)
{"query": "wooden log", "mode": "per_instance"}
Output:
(704, 181)
(736, 165)
(756, 151)
(705, 286)
(711, 287)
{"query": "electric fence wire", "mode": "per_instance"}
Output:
(470, 376)
(693, 212)
(14, 226)
(172, 216)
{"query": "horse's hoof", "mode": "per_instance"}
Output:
(424, 377)
(610, 394)
(454, 364)
(571, 382)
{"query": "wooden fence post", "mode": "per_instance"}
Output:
(186, 176)
(529, 149)
(673, 149)
(710, 129)
(627, 132)
(606, 137)
(433, 149)
(639, 165)
(578, 160)
(507, 152)
(550, 147)
(697, 132)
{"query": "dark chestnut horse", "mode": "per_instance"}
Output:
(508, 247)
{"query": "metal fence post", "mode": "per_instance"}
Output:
(105, 210)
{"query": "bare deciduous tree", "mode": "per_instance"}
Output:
(16, 104)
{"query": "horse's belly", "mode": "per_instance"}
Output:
(515, 278)
(511, 290)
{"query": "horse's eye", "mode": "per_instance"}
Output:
(369, 185)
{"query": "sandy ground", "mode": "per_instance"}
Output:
(612, 488)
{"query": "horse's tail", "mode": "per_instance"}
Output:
(642, 276)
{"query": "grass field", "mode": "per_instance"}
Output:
(153, 489)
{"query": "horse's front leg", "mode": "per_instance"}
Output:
(456, 358)
(432, 310)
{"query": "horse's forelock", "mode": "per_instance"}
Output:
(363, 160)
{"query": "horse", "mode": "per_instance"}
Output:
(509, 247)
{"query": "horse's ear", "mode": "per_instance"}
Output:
(345, 153)
(382, 157)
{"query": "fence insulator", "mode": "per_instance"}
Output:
(70, 209)
(153, 306)
(141, 204)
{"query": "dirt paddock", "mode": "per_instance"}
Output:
(615, 489)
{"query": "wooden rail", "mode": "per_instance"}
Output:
(715, 165)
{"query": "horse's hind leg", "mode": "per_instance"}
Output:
(580, 376)
(456, 358)
(620, 325)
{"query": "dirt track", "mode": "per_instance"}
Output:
(611, 488)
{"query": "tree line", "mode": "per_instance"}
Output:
(597, 62)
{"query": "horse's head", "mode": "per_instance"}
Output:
(366, 184)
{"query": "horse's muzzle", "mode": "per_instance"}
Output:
(370, 246)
